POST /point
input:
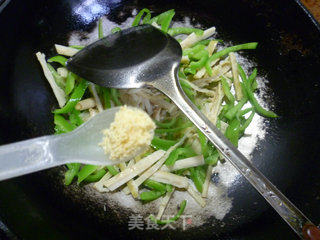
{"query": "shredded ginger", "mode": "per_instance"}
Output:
(129, 134)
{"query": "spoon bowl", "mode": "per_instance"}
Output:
(132, 58)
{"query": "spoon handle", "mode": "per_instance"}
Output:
(24, 157)
(290, 213)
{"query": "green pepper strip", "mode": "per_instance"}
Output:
(71, 78)
(204, 42)
(63, 123)
(233, 131)
(203, 143)
(154, 185)
(194, 66)
(151, 195)
(64, 126)
(213, 158)
(253, 76)
(166, 21)
(248, 89)
(59, 59)
(252, 80)
(77, 47)
(254, 85)
(184, 83)
(190, 52)
(160, 18)
(247, 122)
(71, 173)
(100, 29)
(112, 170)
(173, 219)
(252, 45)
(115, 96)
(166, 124)
(86, 171)
(75, 118)
(225, 109)
(75, 97)
(187, 89)
(106, 97)
(163, 144)
(96, 176)
(170, 130)
(184, 30)
(169, 188)
(178, 152)
(226, 90)
(244, 111)
(181, 74)
(240, 113)
(115, 29)
(58, 79)
(195, 177)
(231, 113)
(58, 130)
(202, 172)
(146, 19)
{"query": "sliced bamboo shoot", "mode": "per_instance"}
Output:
(206, 183)
(164, 203)
(170, 178)
(157, 166)
(130, 172)
(196, 196)
(66, 51)
(99, 186)
(57, 91)
(185, 163)
(85, 104)
(235, 74)
(194, 38)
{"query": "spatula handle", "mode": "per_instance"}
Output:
(290, 213)
(24, 157)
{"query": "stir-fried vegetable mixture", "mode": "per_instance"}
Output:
(180, 158)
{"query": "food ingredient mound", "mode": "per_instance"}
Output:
(129, 134)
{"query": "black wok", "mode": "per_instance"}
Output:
(39, 206)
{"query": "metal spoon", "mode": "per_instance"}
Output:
(143, 56)
(79, 146)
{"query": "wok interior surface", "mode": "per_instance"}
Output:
(39, 206)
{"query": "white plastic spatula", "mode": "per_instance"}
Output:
(79, 146)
